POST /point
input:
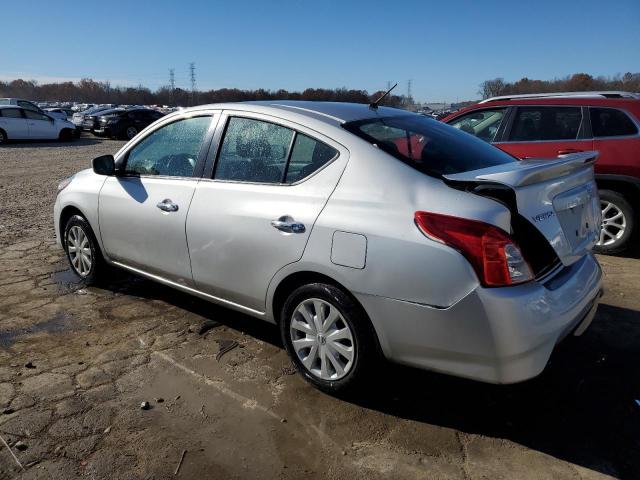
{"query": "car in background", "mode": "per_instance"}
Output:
(17, 123)
(79, 117)
(67, 112)
(359, 230)
(557, 124)
(91, 121)
(125, 123)
(28, 105)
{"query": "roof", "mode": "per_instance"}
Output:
(591, 94)
(328, 112)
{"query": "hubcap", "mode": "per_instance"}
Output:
(131, 132)
(614, 224)
(322, 339)
(79, 251)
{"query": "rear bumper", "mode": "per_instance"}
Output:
(497, 335)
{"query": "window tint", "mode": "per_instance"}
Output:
(172, 150)
(546, 123)
(307, 156)
(484, 124)
(428, 145)
(253, 151)
(28, 105)
(11, 113)
(35, 115)
(608, 122)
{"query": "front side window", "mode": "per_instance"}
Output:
(546, 123)
(484, 124)
(36, 115)
(172, 150)
(609, 122)
(428, 145)
(253, 151)
(11, 113)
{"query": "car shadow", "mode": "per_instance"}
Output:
(78, 142)
(581, 409)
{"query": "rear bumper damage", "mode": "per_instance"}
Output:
(496, 335)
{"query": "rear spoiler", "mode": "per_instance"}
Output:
(528, 171)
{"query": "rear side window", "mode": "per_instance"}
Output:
(609, 122)
(546, 123)
(428, 145)
(308, 155)
(11, 113)
(484, 124)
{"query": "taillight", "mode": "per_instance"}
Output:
(493, 254)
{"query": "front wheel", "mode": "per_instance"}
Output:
(82, 250)
(131, 132)
(618, 223)
(3, 137)
(328, 337)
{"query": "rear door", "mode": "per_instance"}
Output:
(546, 132)
(617, 138)
(254, 216)
(14, 123)
(41, 126)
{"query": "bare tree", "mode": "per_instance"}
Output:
(491, 88)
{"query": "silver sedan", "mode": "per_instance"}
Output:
(363, 232)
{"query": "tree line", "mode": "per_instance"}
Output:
(578, 82)
(91, 91)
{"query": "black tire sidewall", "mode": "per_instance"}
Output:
(3, 137)
(77, 220)
(625, 207)
(126, 132)
(361, 329)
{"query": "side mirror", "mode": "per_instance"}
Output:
(104, 165)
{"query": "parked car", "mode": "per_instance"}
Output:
(79, 117)
(91, 121)
(358, 230)
(125, 123)
(549, 125)
(67, 112)
(18, 123)
(27, 105)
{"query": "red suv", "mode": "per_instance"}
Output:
(548, 125)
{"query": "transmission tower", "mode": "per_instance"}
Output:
(172, 83)
(409, 97)
(192, 74)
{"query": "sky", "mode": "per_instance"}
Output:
(446, 48)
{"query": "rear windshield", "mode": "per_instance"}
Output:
(428, 145)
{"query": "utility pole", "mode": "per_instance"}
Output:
(388, 85)
(192, 72)
(172, 83)
(409, 97)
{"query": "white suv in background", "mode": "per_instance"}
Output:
(18, 123)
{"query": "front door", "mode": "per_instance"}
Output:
(255, 216)
(41, 126)
(545, 132)
(143, 209)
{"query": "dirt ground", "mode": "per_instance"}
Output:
(75, 365)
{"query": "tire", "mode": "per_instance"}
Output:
(76, 231)
(3, 137)
(618, 223)
(359, 338)
(130, 132)
(65, 135)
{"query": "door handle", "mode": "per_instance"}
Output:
(288, 225)
(568, 151)
(167, 206)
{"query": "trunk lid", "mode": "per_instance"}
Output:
(557, 196)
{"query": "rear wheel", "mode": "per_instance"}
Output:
(618, 223)
(3, 137)
(328, 337)
(82, 250)
(131, 132)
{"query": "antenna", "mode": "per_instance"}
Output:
(375, 103)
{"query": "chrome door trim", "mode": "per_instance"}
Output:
(193, 291)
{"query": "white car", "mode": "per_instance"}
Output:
(23, 124)
(27, 105)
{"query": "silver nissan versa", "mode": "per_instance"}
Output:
(361, 231)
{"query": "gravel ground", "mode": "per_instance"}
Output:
(76, 363)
